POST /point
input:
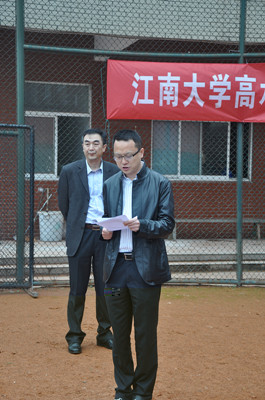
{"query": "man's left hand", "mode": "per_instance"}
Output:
(133, 224)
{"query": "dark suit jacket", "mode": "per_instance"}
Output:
(73, 198)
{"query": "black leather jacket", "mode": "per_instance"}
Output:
(153, 204)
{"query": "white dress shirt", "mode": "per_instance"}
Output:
(95, 185)
(126, 242)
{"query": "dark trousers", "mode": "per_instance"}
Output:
(90, 254)
(128, 297)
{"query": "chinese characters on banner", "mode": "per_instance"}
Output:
(185, 91)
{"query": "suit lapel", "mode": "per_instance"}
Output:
(83, 175)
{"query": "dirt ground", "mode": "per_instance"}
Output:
(211, 346)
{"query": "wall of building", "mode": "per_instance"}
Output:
(193, 199)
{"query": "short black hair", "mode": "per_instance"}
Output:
(128, 134)
(100, 132)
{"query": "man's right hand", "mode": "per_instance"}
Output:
(107, 235)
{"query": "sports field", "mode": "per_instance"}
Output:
(211, 347)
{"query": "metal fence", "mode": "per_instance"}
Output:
(17, 200)
(53, 77)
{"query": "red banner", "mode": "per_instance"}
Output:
(185, 91)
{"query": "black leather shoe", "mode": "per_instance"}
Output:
(121, 398)
(107, 343)
(127, 397)
(74, 348)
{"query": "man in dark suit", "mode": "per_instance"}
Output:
(81, 203)
(136, 263)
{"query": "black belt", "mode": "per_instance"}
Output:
(126, 256)
(94, 227)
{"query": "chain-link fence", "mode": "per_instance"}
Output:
(17, 198)
(66, 48)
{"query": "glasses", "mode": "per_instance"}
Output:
(127, 157)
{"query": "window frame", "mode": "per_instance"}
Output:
(223, 178)
(55, 115)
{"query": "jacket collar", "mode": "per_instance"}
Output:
(143, 171)
(141, 174)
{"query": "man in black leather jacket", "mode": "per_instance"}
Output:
(136, 263)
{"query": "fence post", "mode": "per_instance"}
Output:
(21, 157)
(239, 174)
(32, 171)
(239, 246)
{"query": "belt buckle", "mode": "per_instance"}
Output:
(128, 256)
(95, 228)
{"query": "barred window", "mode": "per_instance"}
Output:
(59, 114)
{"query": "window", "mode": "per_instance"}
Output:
(199, 150)
(59, 114)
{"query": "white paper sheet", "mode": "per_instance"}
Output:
(113, 224)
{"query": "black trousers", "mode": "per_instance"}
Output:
(90, 254)
(129, 298)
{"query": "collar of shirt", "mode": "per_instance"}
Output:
(91, 170)
(125, 177)
(128, 180)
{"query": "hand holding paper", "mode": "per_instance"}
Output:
(133, 224)
(113, 224)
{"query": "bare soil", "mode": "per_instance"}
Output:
(211, 346)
